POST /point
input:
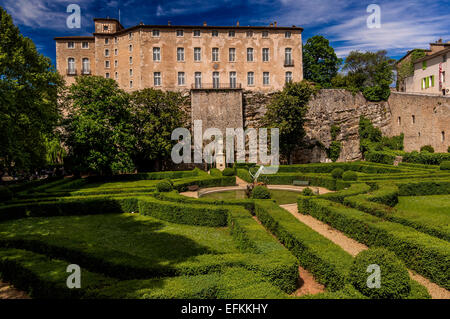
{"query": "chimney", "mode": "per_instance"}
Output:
(439, 41)
(204, 23)
(237, 24)
(271, 24)
(169, 23)
(141, 23)
(275, 23)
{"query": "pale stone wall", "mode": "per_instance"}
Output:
(431, 69)
(424, 119)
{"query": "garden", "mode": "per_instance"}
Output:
(148, 235)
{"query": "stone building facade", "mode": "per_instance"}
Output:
(183, 57)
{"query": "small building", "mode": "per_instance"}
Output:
(430, 72)
(169, 57)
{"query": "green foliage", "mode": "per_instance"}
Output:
(320, 62)
(349, 176)
(445, 166)
(307, 192)
(427, 148)
(370, 73)
(164, 186)
(394, 277)
(215, 172)
(426, 158)
(334, 151)
(228, 172)
(244, 175)
(5, 194)
(335, 130)
(55, 151)
(98, 130)
(337, 173)
(406, 67)
(155, 114)
(29, 87)
(287, 112)
(260, 192)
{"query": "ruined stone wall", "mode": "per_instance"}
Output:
(424, 119)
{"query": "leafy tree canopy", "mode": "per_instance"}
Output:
(287, 112)
(28, 99)
(320, 62)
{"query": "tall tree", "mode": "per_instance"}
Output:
(98, 129)
(28, 99)
(155, 115)
(287, 112)
(320, 62)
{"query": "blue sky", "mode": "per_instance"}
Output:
(405, 24)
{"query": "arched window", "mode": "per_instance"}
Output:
(86, 66)
(71, 66)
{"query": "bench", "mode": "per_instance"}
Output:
(300, 183)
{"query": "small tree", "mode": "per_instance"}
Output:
(320, 62)
(98, 129)
(287, 112)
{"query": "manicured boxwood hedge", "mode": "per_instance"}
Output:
(422, 188)
(425, 254)
(354, 189)
(207, 181)
(244, 175)
(328, 262)
(314, 180)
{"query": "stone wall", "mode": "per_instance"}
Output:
(424, 119)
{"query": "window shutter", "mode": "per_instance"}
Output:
(432, 80)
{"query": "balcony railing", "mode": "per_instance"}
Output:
(288, 63)
(86, 71)
(217, 86)
(71, 72)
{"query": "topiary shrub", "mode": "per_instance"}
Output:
(337, 173)
(445, 166)
(349, 176)
(427, 148)
(228, 172)
(215, 172)
(307, 192)
(394, 277)
(260, 192)
(164, 186)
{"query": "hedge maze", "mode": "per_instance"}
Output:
(132, 241)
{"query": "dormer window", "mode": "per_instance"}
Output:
(105, 28)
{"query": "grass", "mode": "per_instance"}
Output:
(280, 196)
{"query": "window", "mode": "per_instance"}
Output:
(155, 33)
(180, 54)
(198, 80)
(265, 54)
(157, 78)
(131, 60)
(130, 36)
(249, 54)
(116, 40)
(131, 84)
(130, 48)
(196, 33)
(116, 51)
(116, 63)
(181, 78)
(265, 34)
(288, 77)
(216, 80)
(131, 72)
(249, 34)
(105, 28)
(266, 78)
(180, 33)
(232, 54)
(399, 120)
(287, 34)
(233, 80)
(215, 33)
(71, 45)
(288, 57)
(86, 66)
(231, 33)
(116, 75)
(71, 66)
(107, 75)
(442, 136)
(106, 41)
(413, 119)
(250, 78)
(106, 52)
(156, 54)
(215, 54)
(107, 64)
(85, 45)
(197, 54)
(443, 77)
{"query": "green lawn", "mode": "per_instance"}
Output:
(280, 196)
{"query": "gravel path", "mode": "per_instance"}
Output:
(9, 292)
(353, 247)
